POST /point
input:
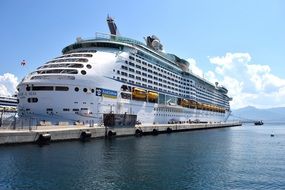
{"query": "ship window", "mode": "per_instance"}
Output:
(83, 72)
(138, 66)
(131, 76)
(144, 63)
(138, 72)
(92, 90)
(32, 100)
(131, 58)
(42, 88)
(149, 81)
(137, 60)
(144, 74)
(132, 70)
(84, 89)
(49, 109)
(150, 65)
(124, 67)
(143, 68)
(28, 88)
(131, 81)
(143, 79)
(65, 109)
(131, 64)
(138, 78)
(61, 88)
(76, 109)
(88, 66)
(84, 108)
(76, 89)
(138, 83)
(124, 74)
(150, 76)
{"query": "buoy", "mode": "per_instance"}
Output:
(111, 134)
(85, 136)
(138, 133)
(154, 132)
(44, 139)
(168, 130)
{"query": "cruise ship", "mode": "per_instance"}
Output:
(111, 75)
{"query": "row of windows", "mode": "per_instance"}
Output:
(168, 75)
(61, 71)
(75, 55)
(70, 65)
(84, 60)
(68, 109)
(179, 89)
(57, 71)
(48, 77)
(156, 78)
(47, 88)
(76, 89)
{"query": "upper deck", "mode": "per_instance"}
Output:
(119, 42)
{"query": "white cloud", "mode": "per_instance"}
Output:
(248, 83)
(8, 84)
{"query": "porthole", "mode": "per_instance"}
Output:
(76, 89)
(92, 90)
(28, 88)
(88, 66)
(85, 90)
(83, 72)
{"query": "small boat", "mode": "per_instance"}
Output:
(258, 123)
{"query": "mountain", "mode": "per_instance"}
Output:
(250, 113)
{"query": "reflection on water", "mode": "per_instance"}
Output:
(235, 158)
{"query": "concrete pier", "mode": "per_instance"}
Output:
(74, 132)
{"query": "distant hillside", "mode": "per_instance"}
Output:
(270, 115)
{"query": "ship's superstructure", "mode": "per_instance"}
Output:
(114, 74)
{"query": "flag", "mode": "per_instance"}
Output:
(23, 63)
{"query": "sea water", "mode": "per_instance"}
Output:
(244, 157)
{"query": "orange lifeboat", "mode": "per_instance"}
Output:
(199, 106)
(192, 103)
(152, 95)
(139, 93)
(185, 103)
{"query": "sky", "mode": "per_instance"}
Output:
(240, 44)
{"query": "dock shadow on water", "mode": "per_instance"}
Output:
(229, 158)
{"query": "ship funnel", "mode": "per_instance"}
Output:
(112, 26)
